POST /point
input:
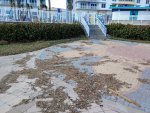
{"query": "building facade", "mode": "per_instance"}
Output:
(22, 3)
(137, 15)
(22, 10)
(103, 6)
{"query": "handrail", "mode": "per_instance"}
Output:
(85, 25)
(102, 26)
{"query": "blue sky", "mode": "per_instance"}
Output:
(58, 3)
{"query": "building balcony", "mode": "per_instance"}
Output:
(88, 7)
(128, 2)
(87, 0)
(4, 3)
(90, 1)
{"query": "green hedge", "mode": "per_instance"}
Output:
(25, 32)
(135, 32)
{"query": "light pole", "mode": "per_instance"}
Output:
(49, 3)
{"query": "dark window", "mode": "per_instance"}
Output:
(147, 1)
(138, 1)
(103, 5)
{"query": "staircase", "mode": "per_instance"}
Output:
(96, 33)
(96, 30)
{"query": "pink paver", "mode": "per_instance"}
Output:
(141, 53)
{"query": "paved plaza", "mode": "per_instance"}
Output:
(80, 77)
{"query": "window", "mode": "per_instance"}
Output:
(83, 5)
(138, 1)
(93, 5)
(147, 1)
(103, 5)
(32, 1)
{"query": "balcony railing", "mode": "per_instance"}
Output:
(87, 0)
(4, 3)
(88, 7)
(130, 2)
(90, 1)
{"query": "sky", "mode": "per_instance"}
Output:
(58, 3)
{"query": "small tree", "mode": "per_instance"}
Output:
(70, 5)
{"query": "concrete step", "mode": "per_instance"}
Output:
(96, 33)
(98, 37)
(93, 26)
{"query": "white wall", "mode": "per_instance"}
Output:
(120, 15)
(144, 15)
(125, 15)
(143, 3)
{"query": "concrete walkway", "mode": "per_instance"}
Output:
(76, 77)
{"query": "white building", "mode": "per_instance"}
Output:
(21, 10)
(137, 15)
(103, 6)
(33, 3)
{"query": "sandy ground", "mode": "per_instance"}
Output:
(76, 77)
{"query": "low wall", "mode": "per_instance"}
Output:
(135, 22)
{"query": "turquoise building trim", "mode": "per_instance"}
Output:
(130, 7)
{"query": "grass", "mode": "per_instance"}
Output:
(130, 40)
(17, 48)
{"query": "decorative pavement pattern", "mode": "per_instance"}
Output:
(88, 76)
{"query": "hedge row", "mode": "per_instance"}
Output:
(129, 31)
(25, 32)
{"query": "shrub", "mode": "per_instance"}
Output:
(135, 32)
(25, 32)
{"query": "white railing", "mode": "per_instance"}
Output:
(102, 26)
(87, 0)
(85, 25)
(8, 14)
(88, 7)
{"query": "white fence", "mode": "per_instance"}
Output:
(9, 14)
